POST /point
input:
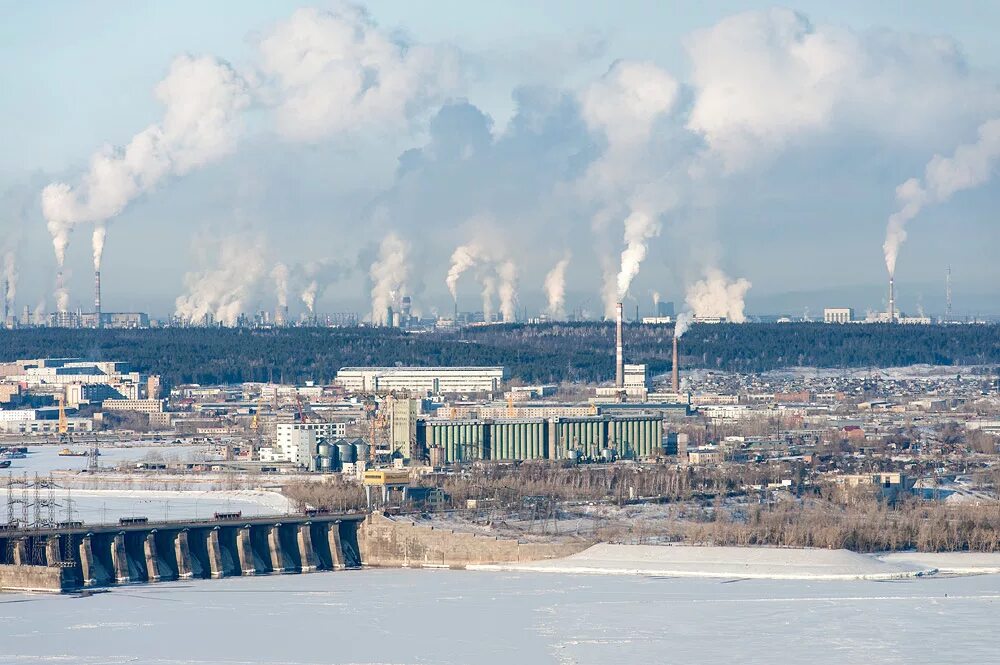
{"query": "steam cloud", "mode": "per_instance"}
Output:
(640, 228)
(10, 278)
(202, 98)
(970, 166)
(224, 283)
(495, 276)
(682, 324)
(279, 273)
(717, 296)
(388, 273)
(463, 258)
(97, 243)
(508, 291)
(555, 289)
(308, 296)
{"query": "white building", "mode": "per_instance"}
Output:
(422, 380)
(297, 442)
(45, 426)
(138, 405)
(838, 315)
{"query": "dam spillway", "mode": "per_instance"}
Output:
(74, 556)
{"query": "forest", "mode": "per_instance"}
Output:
(554, 352)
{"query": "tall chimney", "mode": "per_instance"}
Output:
(675, 380)
(892, 299)
(97, 300)
(619, 350)
(6, 304)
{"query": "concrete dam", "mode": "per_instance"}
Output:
(73, 556)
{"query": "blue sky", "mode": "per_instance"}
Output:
(802, 216)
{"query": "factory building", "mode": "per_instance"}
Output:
(403, 416)
(422, 380)
(838, 315)
(136, 405)
(298, 442)
(589, 437)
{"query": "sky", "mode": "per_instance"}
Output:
(736, 158)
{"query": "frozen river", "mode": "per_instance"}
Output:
(467, 617)
(45, 459)
(107, 505)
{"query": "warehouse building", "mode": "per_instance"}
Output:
(588, 437)
(422, 380)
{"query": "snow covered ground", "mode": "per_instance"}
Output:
(492, 618)
(738, 562)
(955, 563)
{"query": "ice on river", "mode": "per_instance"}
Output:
(485, 618)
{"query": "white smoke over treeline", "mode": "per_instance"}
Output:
(495, 274)
(716, 296)
(555, 289)
(388, 273)
(229, 271)
(631, 151)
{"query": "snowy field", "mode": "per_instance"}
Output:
(740, 562)
(486, 618)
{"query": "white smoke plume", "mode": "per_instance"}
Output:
(336, 71)
(489, 290)
(316, 276)
(308, 296)
(38, 314)
(656, 299)
(640, 228)
(555, 289)
(97, 243)
(279, 273)
(507, 272)
(682, 324)
(10, 278)
(463, 258)
(229, 272)
(717, 296)
(971, 165)
(389, 273)
(623, 107)
(61, 293)
(203, 98)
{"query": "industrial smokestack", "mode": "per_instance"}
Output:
(892, 299)
(675, 380)
(6, 302)
(97, 299)
(619, 350)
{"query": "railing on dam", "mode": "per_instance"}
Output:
(75, 556)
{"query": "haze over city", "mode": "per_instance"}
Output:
(737, 160)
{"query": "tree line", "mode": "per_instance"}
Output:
(554, 352)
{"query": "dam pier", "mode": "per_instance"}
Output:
(73, 556)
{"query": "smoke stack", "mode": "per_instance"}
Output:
(892, 299)
(97, 299)
(675, 381)
(619, 350)
(6, 303)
